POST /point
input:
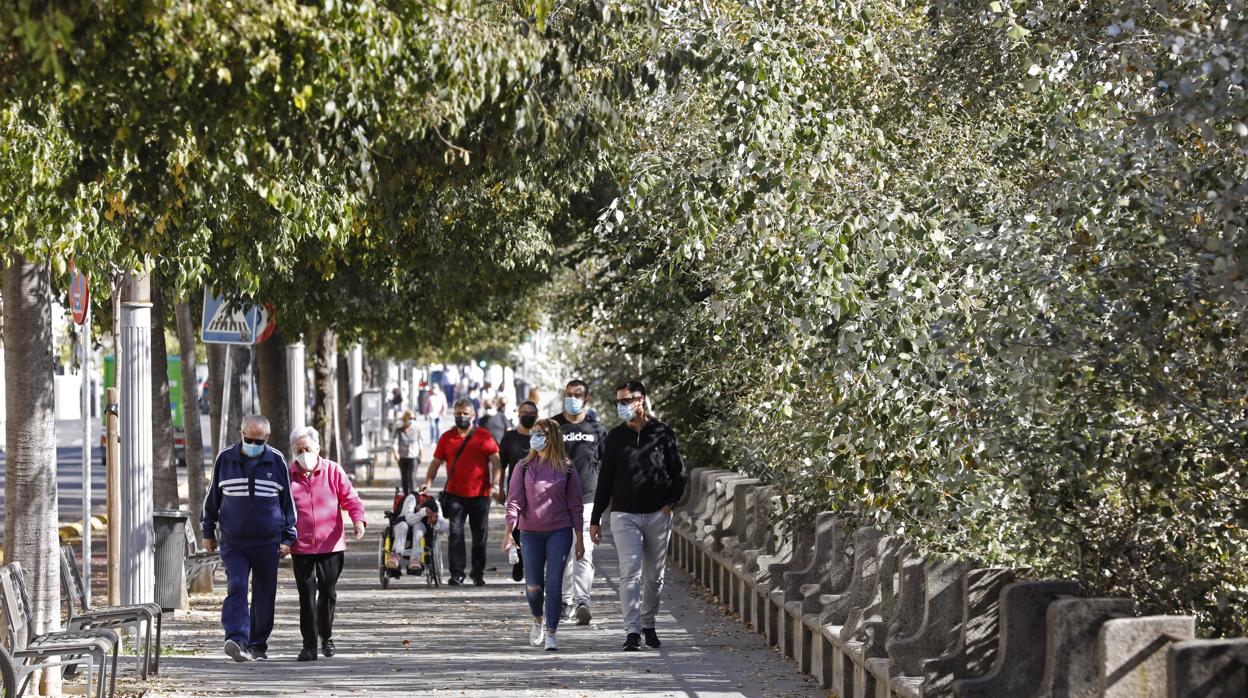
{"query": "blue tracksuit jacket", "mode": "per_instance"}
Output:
(249, 502)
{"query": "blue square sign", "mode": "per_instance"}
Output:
(225, 322)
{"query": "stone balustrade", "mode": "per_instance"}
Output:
(869, 616)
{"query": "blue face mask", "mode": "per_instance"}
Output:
(626, 412)
(537, 442)
(252, 450)
(573, 405)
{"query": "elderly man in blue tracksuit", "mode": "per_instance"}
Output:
(249, 513)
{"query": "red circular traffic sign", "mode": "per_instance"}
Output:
(79, 294)
(267, 323)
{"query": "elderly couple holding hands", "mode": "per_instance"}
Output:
(258, 510)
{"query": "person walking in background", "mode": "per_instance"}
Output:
(583, 441)
(495, 419)
(321, 490)
(511, 450)
(405, 446)
(436, 407)
(396, 401)
(473, 473)
(642, 478)
(249, 513)
(544, 501)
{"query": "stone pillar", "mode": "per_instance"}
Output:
(355, 366)
(134, 377)
(297, 382)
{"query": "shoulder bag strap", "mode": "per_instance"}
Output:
(450, 473)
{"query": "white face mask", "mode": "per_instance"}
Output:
(308, 460)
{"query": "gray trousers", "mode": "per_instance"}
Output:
(641, 543)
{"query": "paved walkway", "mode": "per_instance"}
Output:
(472, 641)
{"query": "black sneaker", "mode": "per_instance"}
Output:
(455, 581)
(632, 643)
(259, 655)
(652, 638)
(307, 654)
(328, 649)
(478, 581)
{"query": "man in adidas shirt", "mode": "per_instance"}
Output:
(249, 513)
(583, 442)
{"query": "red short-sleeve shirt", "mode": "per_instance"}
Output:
(471, 477)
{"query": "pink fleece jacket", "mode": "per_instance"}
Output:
(318, 497)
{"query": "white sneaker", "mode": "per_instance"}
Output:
(236, 652)
(537, 633)
(551, 645)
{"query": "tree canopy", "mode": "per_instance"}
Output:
(972, 271)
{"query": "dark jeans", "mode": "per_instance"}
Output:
(407, 469)
(545, 553)
(476, 510)
(316, 577)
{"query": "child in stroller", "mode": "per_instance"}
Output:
(418, 514)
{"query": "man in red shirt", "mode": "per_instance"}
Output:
(475, 473)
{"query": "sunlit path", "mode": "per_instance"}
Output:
(473, 641)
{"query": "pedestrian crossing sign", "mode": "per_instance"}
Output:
(226, 322)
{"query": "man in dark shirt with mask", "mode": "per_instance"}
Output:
(642, 478)
(249, 513)
(583, 441)
(512, 449)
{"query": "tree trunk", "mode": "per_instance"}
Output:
(164, 462)
(273, 383)
(190, 414)
(323, 348)
(375, 372)
(217, 354)
(241, 357)
(30, 522)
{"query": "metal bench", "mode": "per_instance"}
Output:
(198, 559)
(139, 616)
(48, 650)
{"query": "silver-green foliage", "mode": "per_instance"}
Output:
(970, 270)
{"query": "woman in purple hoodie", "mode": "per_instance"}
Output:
(544, 502)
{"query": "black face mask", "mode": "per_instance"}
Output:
(463, 422)
(528, 420)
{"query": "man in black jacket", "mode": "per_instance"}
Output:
(583, 441)
(642, 478)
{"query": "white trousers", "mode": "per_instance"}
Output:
(578, 575)
(400, 538)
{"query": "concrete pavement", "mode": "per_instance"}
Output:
(472, 641)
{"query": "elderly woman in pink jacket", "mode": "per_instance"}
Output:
(321, 489)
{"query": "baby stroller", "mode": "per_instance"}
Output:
(405, 518)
